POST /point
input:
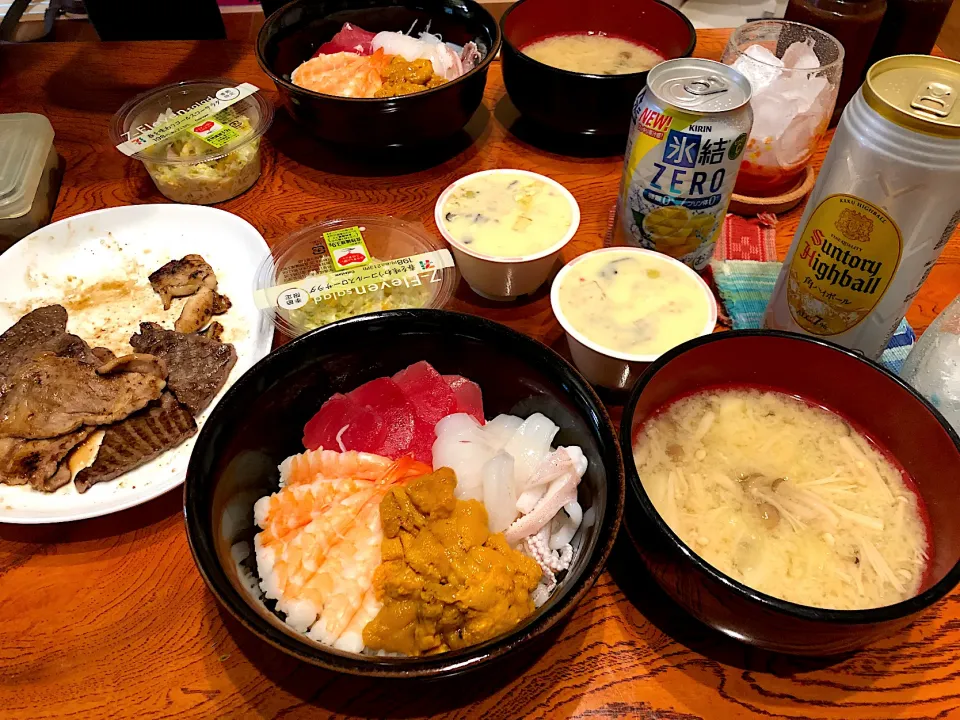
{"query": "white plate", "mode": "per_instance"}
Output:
(75, 261)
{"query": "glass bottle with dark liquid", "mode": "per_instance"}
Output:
(910, 27)
(855, 24)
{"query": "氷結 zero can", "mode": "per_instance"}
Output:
(689, 129)
(885, 205)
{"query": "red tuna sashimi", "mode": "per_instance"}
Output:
(384, 398)
(349, 39)
(424, 435)
(468, 394)
(427, 391)
(363, 428)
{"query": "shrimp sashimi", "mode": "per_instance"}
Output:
(343, 74)
(351, 639)
(348, 574)
(321, 537)
(323, 464)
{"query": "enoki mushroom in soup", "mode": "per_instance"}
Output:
(785, 497)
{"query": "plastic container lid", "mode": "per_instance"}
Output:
(25, 141)
(352, 266)
(195, 103)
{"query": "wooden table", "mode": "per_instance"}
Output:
(109, 617)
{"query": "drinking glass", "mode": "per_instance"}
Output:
(794, 72)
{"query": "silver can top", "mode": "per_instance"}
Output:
(702, 86)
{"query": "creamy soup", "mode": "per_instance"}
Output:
(634, 303)
(786, 497)
(593, 53)
(507, 214)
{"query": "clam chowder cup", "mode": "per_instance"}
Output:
(502, 277)
(610, 368)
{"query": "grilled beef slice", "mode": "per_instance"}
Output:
(138, 439)
(180, 278)
(40, 331)
(38, 462)
(50, 396)
(198, 365)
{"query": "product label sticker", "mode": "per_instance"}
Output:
(346, 248)
(848, 254)
(215, 134)
(373, 277)
(197, 115)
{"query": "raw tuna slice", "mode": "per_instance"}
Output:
(468, 394)
(424, 436)
(363, 428)
(384, 398)
(425, 389)
(349, 39)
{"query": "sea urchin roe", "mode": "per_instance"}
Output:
(445, 582)
(632, 302)
(507, 214)
(403, 77)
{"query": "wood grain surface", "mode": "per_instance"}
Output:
(109, 617)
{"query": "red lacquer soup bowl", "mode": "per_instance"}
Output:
(888, 410)
(582, 103)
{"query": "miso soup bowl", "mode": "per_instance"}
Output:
(506, 277)
(604, 366)
(884, 406)
(259, 422)
(583, 103)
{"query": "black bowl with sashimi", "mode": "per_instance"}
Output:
(292, 35)
(482, 369)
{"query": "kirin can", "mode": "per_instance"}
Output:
(885, 205)
(689, 129)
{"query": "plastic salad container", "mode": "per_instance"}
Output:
(28, 175)
(199, 140)
(352, 266)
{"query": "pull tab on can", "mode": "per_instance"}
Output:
(710, 85)
(935, 98)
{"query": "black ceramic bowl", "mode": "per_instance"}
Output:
(259, 422)
(888, 409)
(293, 33)
(580, 103)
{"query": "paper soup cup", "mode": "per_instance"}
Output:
(501, 277)
(611, 368)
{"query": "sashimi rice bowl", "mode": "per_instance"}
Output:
(380, 73)
(418, 522)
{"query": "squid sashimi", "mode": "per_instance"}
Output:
(350, 39)
(321, 535)
(345, 74)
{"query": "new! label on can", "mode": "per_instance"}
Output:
(689, 130)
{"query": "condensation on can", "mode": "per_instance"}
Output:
(688, 132)
(885, 204)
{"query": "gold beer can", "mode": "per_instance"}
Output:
(885, 204)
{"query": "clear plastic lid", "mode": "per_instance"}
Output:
(352, 266)
(25, 140)
(216, 116)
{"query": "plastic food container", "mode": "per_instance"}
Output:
(497, 277)
(28, 175)
(199, 140)
(610, 368)
(352, 266)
